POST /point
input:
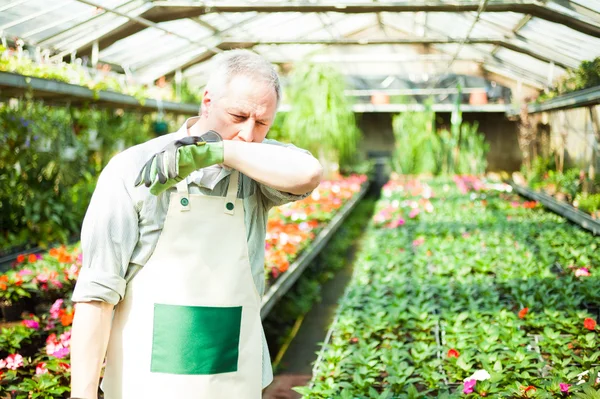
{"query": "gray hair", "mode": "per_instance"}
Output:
(245, 63)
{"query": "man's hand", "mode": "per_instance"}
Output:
(180, 158)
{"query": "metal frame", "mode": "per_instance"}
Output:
(12, 85)
(177, 9)
(232, 42)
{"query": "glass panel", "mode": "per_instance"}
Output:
(562, 39)
(593, 5)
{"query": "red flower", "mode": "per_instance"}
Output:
(529, 388)
(453, 353)
(523, 313)
(21, 258)
(590, 324)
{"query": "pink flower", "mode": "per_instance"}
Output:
(564, 387)
(42, 277)
(468, 386)
(56, 283)
(396, 223)
(13, 362)
(62, 352)
(24, 272)
(413, 213)
(31, 324)
(582, 272)
(2, 364)
(65, 339)
(54, 310)
(41, 369)
(418, 242)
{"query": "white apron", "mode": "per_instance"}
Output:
(189, 325)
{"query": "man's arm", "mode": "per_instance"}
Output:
(90, 333)
(109, 234)
(276, 166)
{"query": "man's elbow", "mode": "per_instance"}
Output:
(312, 179)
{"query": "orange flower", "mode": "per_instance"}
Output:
(289, 248)
(523, 313)
(453, 353)
(66, 319)
(590, 324)
(32, 258)
(529, 388)
(54, 252)
(3, 281)
(21, 258)
(283, 265)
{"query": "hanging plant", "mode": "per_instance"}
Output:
(321, 119)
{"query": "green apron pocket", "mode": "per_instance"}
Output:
(195, 339)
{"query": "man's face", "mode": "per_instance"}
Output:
(244, 112)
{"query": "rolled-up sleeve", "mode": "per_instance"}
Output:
(108, 237)
(273, 197)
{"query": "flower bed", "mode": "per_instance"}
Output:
(34, 352)
(479, 293)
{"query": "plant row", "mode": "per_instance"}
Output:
(463, 289)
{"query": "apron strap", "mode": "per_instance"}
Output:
(232, 193)
(183, 195)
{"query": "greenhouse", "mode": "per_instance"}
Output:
(417, 211)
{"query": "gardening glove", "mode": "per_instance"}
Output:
(180, 158)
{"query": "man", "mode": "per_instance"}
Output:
(185, 214)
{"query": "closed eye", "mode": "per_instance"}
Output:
(239, 117)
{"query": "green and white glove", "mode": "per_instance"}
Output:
(180, 158)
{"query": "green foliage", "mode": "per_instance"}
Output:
(458, 277)
(43, 386)
(589, 203)
(419, 149)
(321, 118)
(50, 158)
(187, 94)
(585, 76)
(417, 146)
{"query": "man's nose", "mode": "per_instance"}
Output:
(246, 132)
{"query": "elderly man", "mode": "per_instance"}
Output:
(174, 237)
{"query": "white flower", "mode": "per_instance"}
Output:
(480, 375)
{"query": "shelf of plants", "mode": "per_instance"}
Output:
(34, 351)
(14, 85)
(580, 98)
(462, 289)
(573, 214)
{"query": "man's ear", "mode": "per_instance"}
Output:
(206, 102)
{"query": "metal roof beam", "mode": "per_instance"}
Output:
(520, 25)
(514, 45)
(177, 9)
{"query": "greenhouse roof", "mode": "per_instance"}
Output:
(529, 41)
